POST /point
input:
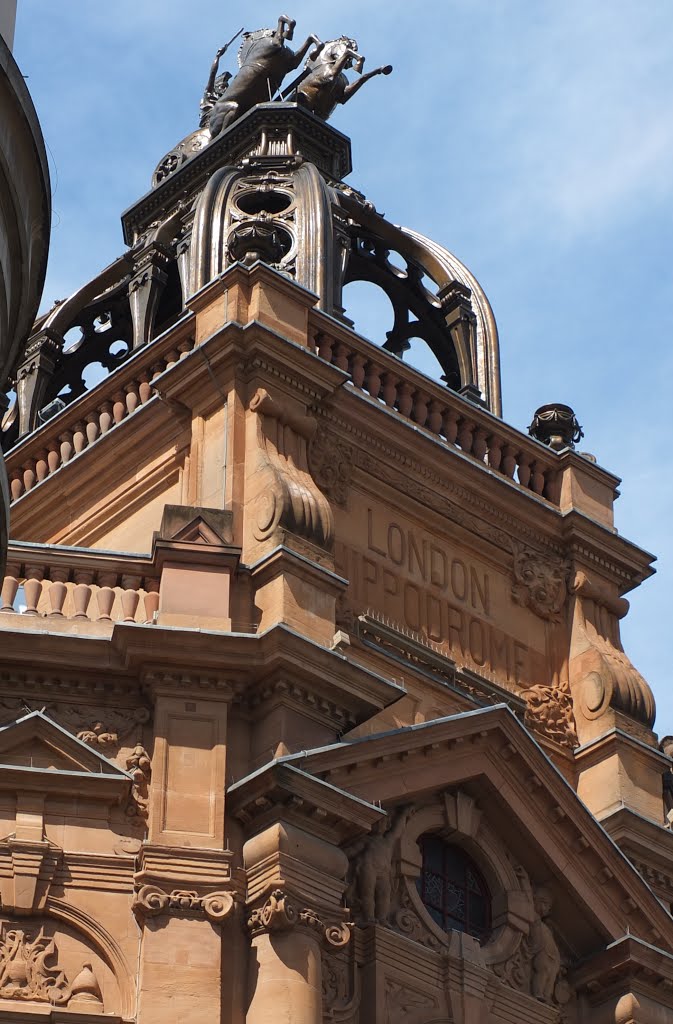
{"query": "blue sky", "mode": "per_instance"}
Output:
(532, 138)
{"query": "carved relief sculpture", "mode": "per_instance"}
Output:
(546, 959)
(372, 869)
(24, 972)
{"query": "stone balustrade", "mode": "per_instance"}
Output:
(78, 584)
(95, 414)
(461, 423)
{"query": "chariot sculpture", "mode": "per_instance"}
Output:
(264, 59)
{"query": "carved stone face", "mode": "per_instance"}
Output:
(543, 903)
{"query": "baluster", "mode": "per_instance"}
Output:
(450, 425)
(32, 588)
(465, 430)
(357, 368)
(537, 477)
(389, 382)
(130, 597)
(92, 427)
(340, 357)
(144, 388)
(324, 345)
(29, 474)
(81, 594)
(16, 484)
(132, 397)
(419, 412)
(10, 588)
(79, 438)
(172, 358)
(105, 418)
(508, 464)
(373, 380)
(404, 399)
(151, 599)
(551, 486)
(66, 446)
(435, 416)
(105, 597)
(54, 456)
(479, 446)
(41, 465)
(185, 347)
(494, 451)
(524, 469)
(118, 406)
(57, 591)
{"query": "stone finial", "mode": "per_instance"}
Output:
(556, 425)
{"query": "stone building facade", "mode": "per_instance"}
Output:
(314, 706)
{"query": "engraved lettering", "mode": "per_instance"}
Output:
(480, 590)
(396, 544)
(439, 570)
(370, 534)
(420, 557)
(434, 618)
(412, 606)
(456, 628)
(370, 576)
(478, 647)
(459, 579)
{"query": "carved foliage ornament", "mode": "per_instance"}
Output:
(550, 709)
(280, 913)
(540, 582)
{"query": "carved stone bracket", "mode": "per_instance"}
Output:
(151, 901)
(539, 582)
(289, 498)
(280, 913)
(601, 674)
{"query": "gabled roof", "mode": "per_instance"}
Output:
(526, 800)
(37, 753)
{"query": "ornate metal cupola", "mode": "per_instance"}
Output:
(262, 178)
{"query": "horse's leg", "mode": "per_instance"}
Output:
(223, 114)
(353, 87)
(303, 50)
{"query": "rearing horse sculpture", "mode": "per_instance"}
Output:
(264, 60)
(325, 85)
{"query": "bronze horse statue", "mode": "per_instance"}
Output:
(325, 85)
(264, 60)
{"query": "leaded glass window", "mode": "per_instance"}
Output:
(453, 889)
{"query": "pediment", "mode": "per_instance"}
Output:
(198, 532)
(487, 754)
(208, 526)
(35, 751)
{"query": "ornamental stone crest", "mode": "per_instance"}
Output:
(540, 582)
